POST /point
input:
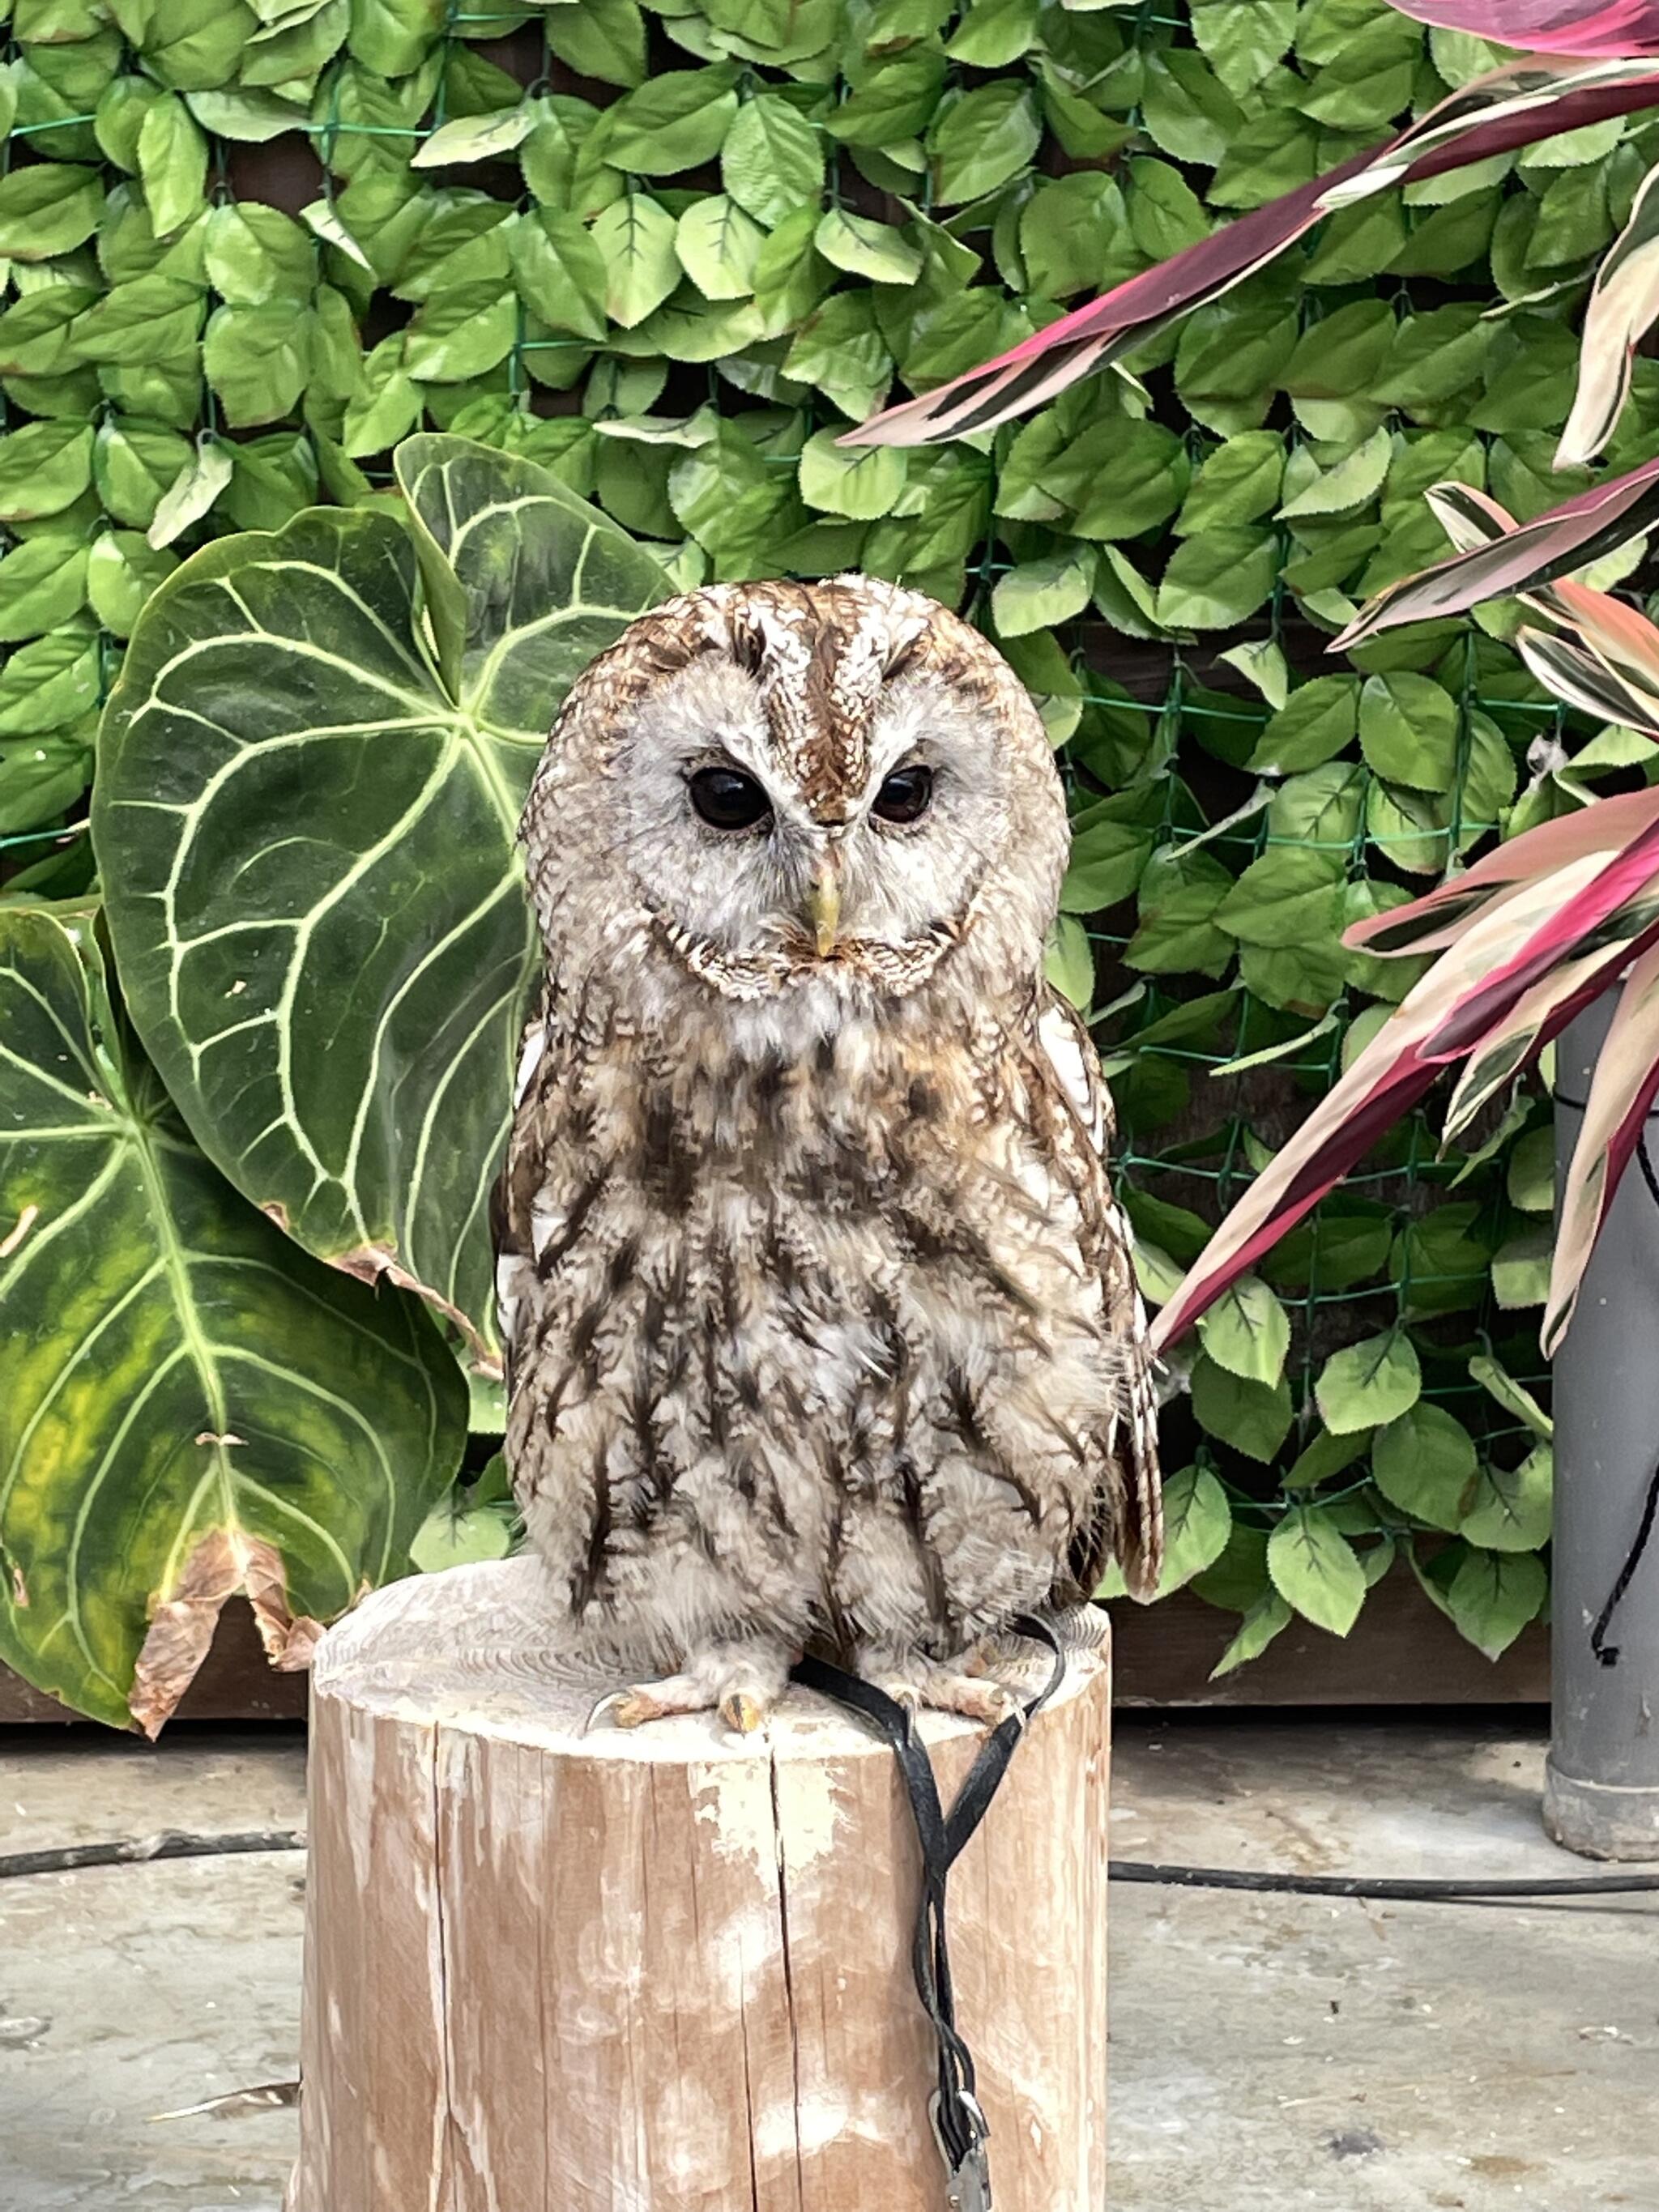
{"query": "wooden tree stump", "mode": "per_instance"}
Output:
(669, 1969)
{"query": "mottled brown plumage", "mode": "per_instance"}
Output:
(820, 1314)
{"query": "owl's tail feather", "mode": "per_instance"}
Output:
(1140, 1538)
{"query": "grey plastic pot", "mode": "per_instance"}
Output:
(1602, 1789)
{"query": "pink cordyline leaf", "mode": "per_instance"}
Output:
(1556, 27)
(1516, 105)
(1532, 554)
(1514, 1042)
(1560, 935)
(1623, 303)
(1622, 1090)
(1385, 1082)
(1441, 916)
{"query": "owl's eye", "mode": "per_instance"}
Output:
(905, 795)
(726, 798)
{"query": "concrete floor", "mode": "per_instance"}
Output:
(1268, 2052)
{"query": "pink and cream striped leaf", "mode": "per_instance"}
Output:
(1621, 1092)
(1624, 301)
(1520, 559)
(1557, 26)
(1533, 98)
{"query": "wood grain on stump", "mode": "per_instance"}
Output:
(669, 1969)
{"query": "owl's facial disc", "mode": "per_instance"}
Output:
(773, 846)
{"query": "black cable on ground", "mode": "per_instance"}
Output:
(1401, 1889)
(141, 1851)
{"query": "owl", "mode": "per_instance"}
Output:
(820, 1319)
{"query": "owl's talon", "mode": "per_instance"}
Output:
(598, 1711)
(742, 1713)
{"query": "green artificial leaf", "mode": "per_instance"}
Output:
(1111, 844)
(1197, 1522)
(1039, 594)
(258, 255)
(1253, 1417)
(153, 319)
(1494, 1595)
(256, 360)
(1408, 731)
(193, 1406)
(718, 246)
(1216, 578)
(123, 569)
(1329, 1455)
(172, 155)
(1239, 483)
(1350, 483)
(50, 682)
(1319, 720)
(860, 481)
(675, 120)
(43, 582)
(1179, 896)
(1425, 1463)
(635, 236)
(867, 248)
(1267, 1618)
(44, 468)
(772, 159)
(133, 463)
(48, 208)
(1074, 236)
(385, 403)
(310, 644)
(602, 39)
(981, 139)
(1511, 1510)
(1369, 1383)
(1316, 1569)
(560, 272)
(1247, 1332)
(892, 98)
(36, 335)
(1069, 961)
(1121, 477)
(193, 491)
(460, 335)
(476, 137)
(1290, 896)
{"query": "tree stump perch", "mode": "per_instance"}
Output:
(669, 1969)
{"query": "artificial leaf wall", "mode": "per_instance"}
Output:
(193, 1406)
(669, 255)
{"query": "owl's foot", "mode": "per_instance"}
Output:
(964, 1685)
(741, 1682)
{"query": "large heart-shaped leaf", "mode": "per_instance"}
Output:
(307, 797)
(189, 1404)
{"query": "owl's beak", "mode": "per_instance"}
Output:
(824, 904)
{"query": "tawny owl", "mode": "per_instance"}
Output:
(821, 1324)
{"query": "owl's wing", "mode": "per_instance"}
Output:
(1136, 1520)
(514, 1197)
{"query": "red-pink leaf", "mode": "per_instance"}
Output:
(1555, 26)
(1551, 544)
(1561, 935)
(1440, 916)
(1622, 1090)
(1514, 105)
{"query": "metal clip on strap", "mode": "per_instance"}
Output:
(959, 2123)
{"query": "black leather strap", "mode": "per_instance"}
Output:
(958, 2122)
